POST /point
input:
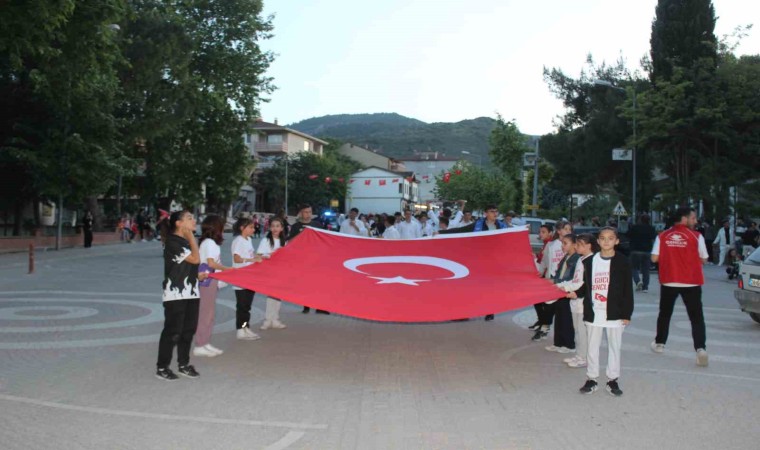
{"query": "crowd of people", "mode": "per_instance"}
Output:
(598, 279)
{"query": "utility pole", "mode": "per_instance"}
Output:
(534, 209)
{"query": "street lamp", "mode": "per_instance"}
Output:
(605, 83)
(480, 160)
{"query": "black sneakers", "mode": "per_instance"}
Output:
(306, 310)
(590, 387)
(489, 317)
(535, 326)
(613, 388)
(188, 371)
(165, 373)
(540, 334)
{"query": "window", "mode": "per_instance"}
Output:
(274, 139)
(306, 146)
(247, 138)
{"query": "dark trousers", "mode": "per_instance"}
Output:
(692, 299)
(564, 332)
(180, 321)
(87, 238)
(641, 262)
(244, 299)
(545, 313)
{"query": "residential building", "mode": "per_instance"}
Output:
(266, 144)
(371, 158)
(426, 166)
(378, 190)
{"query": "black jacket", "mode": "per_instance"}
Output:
(298, 227)
(620, 292)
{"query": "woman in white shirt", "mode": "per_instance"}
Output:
(242, 256)
(274, 240)
(212, 228)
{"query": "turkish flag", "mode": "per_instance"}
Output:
(418, 280)
(395, 180)
(382, 182)
(328, 180)
(313, 177)
(367, 182)
(446, 177)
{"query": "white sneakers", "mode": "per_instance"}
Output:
(207, 350)
(577, 363)
(276, 324)
(554, 348)
(245, 334)
(702, 357)
(657, 348)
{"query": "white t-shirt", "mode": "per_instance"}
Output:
(701, 248)
(553, 254)
(346, 228)
(600, 285)
(265, 248)
(243, 247)
(576, 304)
(210, 249)
(409, 230)
(391, 233)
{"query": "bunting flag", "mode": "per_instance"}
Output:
(341, 180)
(382, 182)
(313, 177)
(367, 182)
(395, 180)
(458, 172)
(419, 280)
(446, 177)
(328, 180)
(351, 181)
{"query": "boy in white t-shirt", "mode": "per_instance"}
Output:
(607, 307)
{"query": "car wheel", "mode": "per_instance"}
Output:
(755, 317)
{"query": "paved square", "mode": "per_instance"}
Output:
(78, 342)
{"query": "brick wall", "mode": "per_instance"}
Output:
(21, 244)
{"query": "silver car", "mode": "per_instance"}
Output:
(748, 293)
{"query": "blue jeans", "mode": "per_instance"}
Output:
(641, 262)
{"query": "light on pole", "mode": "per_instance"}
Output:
(607, 84)
(480, 159)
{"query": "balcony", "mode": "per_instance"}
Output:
(270, 149)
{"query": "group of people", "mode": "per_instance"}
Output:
(596, 277)
(599, 284)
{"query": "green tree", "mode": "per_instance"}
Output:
(682, 35)
(313, 179)
(507, 147)
(62, 77)
(479, 187)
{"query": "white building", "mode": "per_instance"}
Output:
(426, 166)
(376, 190)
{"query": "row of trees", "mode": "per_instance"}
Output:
(150, 97)
(697, 116)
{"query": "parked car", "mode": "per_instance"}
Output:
(748, 291)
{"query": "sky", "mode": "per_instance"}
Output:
(452, 60)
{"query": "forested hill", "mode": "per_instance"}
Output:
(398, 136)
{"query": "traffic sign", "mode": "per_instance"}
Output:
(619, 210)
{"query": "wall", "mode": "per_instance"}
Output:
(21, 244)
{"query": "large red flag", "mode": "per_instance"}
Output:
(419, 280)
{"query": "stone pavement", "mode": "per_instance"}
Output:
(78, 343)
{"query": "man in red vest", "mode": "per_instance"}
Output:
(681, 252)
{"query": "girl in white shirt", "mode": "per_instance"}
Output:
(553, 254)
(586, 246)
(212, 228)
(242, 256)
(274, 240)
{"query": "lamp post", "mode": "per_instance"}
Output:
(607, 84)
(480, 159)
